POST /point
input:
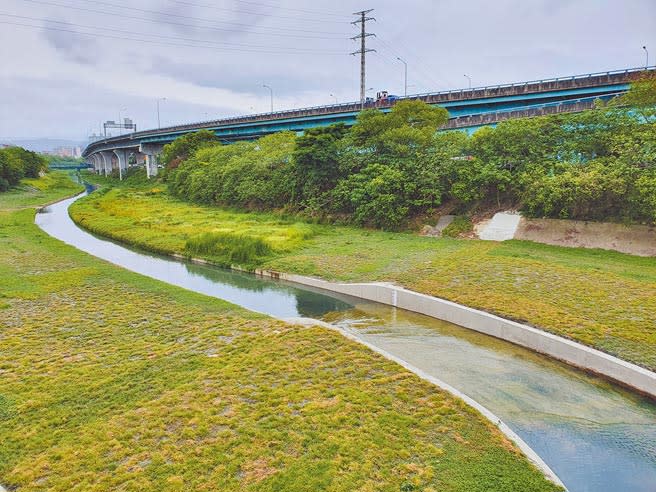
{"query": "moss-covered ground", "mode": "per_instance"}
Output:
(603, 299)
(112, 381)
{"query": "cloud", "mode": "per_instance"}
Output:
(61, 83)
(219, 21)
(79, 48)
(232, 76)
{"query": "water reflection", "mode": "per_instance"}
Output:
(308, 302)
(594, 435)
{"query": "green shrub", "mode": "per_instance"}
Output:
(460, 225)
(375, 196)
(184, 147)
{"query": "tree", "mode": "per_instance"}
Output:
(375, 196)
(316, 162)
(11, 170)
(641, 97)
(409, 125)
(31, 162)
(185, 146)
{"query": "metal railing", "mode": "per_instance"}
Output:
(568, 106)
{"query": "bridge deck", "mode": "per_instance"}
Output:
(468, 108)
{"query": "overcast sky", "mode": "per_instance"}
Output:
(209, 58)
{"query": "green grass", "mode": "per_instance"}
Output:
(35, 192)
(113, 381)
(125, 214)
(603, 299)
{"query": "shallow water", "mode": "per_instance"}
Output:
(595, 435)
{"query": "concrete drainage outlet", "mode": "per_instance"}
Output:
(502, 227)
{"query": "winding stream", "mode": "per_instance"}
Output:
(594, 435)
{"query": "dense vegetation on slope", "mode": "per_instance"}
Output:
(566, 291)
(17, 163)
(388, 169)
(113, 381)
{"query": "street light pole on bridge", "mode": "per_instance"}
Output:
(647, 55)
(158, 122)
(271, 91)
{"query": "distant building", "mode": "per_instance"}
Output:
(64, 151)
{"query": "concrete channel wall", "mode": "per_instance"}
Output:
(573, 353)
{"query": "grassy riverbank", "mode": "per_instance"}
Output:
(32, 192)
(600, 298)
(114, 381)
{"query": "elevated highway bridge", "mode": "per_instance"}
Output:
(469, 109)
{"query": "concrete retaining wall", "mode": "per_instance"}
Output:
(625, 373)
(631, 239)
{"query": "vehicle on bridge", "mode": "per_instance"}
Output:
(383, 97)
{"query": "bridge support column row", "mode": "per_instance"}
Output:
(105, 161)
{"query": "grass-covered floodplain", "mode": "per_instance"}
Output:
(32, 191)
(112, 381)
(600, 298)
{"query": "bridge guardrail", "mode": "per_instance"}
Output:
(497, 116)
(562, 83)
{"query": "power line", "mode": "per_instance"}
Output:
(308, 11)
(248, 12)
(182, 24)
(175, 38)
(163, 43)
(363, 49)
(148, 11)
(411, 54)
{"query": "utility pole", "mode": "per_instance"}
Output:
(363, 49)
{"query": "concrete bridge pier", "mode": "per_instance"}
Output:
(152, 152)
(98, 163)
(108, 164)
(95, 162)
(122, 157)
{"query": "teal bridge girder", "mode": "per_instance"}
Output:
(469, 109)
